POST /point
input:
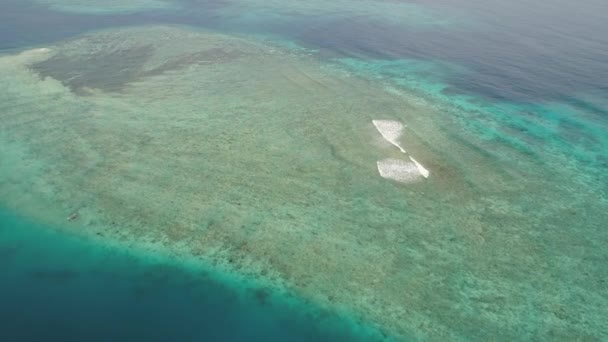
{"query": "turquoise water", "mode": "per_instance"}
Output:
(287, 170)
(60, 287)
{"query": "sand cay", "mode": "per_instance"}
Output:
(398, 170)
(258, 159)
(391, 131)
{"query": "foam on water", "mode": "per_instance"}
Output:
(391, 131)
(398, 170)
(26, 57)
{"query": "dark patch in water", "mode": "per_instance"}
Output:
(261, 295)
(111, 71)
(8, 252)
(107, 71)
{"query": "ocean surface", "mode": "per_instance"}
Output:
(261, 170)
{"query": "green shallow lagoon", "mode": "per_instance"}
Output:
(260, 160)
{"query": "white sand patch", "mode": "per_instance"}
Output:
(403, 171)
(423, 171)
(391, 131)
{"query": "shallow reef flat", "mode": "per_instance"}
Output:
(263, 160)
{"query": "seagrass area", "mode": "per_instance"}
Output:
(265, 161)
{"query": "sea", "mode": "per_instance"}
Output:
(284, 170)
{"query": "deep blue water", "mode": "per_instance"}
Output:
(54, 287)
(519, 51)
